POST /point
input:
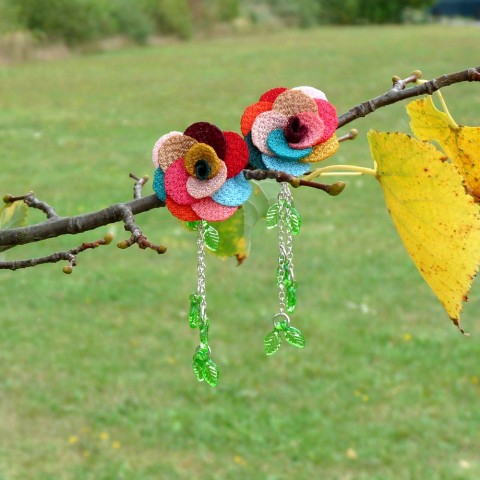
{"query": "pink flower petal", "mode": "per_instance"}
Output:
(263, 125)
(212, 211)
(315, 129)
(176, 183)
(312, 92)
(204, 188)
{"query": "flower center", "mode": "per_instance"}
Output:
(296, 130)
(202, 169)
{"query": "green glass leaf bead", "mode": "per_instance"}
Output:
(210, 373)
(273, 340)
(201, 355)
(291, 296)
(295, 220)
(273, 215)
(295, 337)
(194, 315)
(193, 226)
(204, 332)
(212, 238)
(197, 369)
(282, 274)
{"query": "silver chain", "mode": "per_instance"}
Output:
(201, 267)
(285, 240)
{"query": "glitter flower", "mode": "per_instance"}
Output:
(287, 129)
(199, 172)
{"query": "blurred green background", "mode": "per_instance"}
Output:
(95, 367)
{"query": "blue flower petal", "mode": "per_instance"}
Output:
(292, 167)
(159, 184)
(255, 156)
(234, 192)
(278, 144)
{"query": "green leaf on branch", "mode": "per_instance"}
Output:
(13, 215)
(235, 233)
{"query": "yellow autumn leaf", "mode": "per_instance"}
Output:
(438, 222)
(460, 144)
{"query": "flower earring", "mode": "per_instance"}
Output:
(286, 130)
(199, 177)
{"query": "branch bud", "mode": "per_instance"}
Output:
(417, 74)
(108, 238)
(295, 182)
(336, 188)
(123, 244)
(161, 249)
(68, 269)
(8, 198)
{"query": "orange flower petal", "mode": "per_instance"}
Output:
(251, 113)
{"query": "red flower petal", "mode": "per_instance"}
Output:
(236, 157)
(205, 132)
(176, 183)
(251, 113)
(183, 212)
(328, 114)
(272, 94)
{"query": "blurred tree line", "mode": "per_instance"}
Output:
(78, 21)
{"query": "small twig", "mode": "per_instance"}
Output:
(33, 202)
(137, 236)
(295, 182)
(351, 135)
(70, 255)
(399, 84)
(138, 185)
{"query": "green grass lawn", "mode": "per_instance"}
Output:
(95, 367)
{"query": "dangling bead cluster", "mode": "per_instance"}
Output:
(284, 215)
(203, 366)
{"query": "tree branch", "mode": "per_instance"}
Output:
(77, 224)
(56, 226)
(333, 190)
(70, 255)
(398, 93)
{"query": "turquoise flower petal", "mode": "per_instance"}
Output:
(278, 144)
(255, 156)
(292, 167)
(234, 192)
(159, 184)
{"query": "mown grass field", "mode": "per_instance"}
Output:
(95, 374)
